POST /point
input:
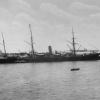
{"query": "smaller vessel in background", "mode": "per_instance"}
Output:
(7, 58)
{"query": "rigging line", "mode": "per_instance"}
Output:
(90, 44)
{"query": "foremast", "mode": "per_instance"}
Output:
(32, 46)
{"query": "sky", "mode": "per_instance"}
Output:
(51, 23)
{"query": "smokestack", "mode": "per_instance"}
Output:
(50, 49)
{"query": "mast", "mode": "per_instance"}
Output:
(73, 43)
(32, 47)
(4, 44)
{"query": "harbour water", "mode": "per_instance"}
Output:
(50, 81)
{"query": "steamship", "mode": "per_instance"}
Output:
(72, 55)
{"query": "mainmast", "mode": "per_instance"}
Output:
(73, 43)
(32, 46)
(4, 44)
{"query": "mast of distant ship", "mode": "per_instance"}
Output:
(32, 47)
(4, 44)
(73, 43)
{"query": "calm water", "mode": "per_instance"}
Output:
(50, 81)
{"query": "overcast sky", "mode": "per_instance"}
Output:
(51, 22)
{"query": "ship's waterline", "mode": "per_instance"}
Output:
(50, 81)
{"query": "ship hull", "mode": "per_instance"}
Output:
(60, 58)
(4, 60)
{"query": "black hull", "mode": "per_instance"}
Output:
(5, 60)
(88, 57)
(52, 58)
